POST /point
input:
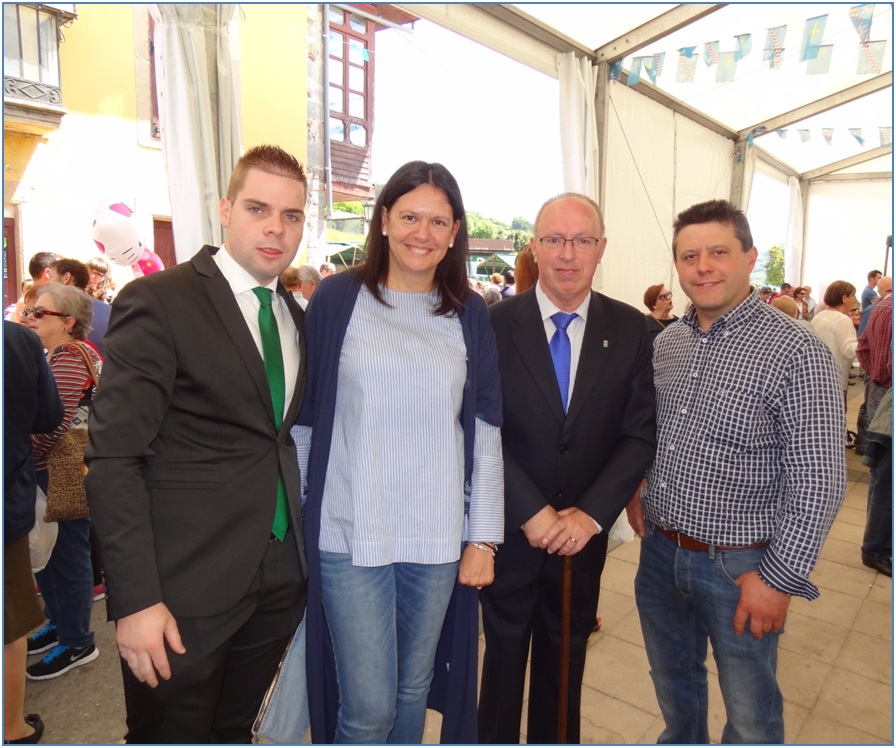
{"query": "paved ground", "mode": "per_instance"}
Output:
(835, 663)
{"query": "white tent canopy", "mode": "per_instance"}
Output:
(802, 93)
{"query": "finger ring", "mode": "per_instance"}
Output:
(572, 540)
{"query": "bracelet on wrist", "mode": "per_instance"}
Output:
(487, 547)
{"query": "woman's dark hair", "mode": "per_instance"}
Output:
(451, 273)
(651, 295)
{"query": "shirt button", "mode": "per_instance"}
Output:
(684, 411)
(671, 447)
(663, 485)
(703, 340)
(695, 375)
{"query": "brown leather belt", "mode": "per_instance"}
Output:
(692, 544)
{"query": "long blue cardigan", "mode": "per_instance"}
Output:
(453, 690)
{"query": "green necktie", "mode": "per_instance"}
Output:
(273, 366)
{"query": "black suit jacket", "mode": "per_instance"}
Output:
(184, 454)
(593, 456)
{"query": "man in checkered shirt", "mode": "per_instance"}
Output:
(749, 473)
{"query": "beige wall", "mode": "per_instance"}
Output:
(273, 69)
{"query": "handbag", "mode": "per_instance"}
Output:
(66, 495)
(283, 717)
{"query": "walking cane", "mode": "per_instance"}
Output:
(565, 617)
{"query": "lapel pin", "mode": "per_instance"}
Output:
(606, 344)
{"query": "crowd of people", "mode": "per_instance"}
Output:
(347, 467)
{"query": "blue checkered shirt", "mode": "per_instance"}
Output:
(750, 442)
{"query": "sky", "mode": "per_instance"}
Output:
(491, 121)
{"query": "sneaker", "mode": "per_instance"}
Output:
(99, 592)
(61, 660)
(43, 640)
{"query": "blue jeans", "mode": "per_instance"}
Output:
(685, 599)
(878, 541)
(66, 584)
(385, 623)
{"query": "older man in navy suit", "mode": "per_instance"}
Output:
(578, 434)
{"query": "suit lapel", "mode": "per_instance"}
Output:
(222, 300)
(597, 348)
(532, 346)
(298, 318)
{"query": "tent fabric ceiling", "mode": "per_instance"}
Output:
(759, 93)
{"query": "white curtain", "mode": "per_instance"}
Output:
(578, 131)
(793, 249)
(199, 116)
(578, 125)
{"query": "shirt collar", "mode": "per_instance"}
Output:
(549, 309)
(239, 278)
(741, 315)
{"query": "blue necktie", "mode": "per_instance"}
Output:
(560, 352)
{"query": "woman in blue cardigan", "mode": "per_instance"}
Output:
(405, 497)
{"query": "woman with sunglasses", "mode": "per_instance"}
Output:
(62, 317)
(659, 301)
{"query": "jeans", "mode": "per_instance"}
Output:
(385, 623)
(66, 584)
(878, 541)
(686, 598)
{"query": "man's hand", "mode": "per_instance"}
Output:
(634, 512)
(570, 533)
(141, 639)
(477, 567)
(766, 608)
(539, 524)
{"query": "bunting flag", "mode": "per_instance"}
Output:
(615, 70)
(886, 135)
(744, 45)
(813, 33)
(856, 132)
(774, 46)
(827, 133)
(687, 63)
(649, 66)
(871, 55)
(861, 20)
(634, 73)
(753, 133)
(804, 135)
(710, 53)
(727, 67)
(658, 61)
(821, 65)
(782, 133)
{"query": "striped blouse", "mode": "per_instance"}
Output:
(394, 485)
(72, 379)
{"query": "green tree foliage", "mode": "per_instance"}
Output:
(352, 207)
(774, 266)
(521, 224)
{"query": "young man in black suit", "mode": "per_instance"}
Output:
(568, 471)
(193, 474)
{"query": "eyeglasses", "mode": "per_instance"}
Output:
(582, 243)
(665, 296)
(39, 312)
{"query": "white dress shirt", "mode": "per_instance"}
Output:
(242, 283)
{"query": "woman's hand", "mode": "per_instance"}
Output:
(477, 567)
